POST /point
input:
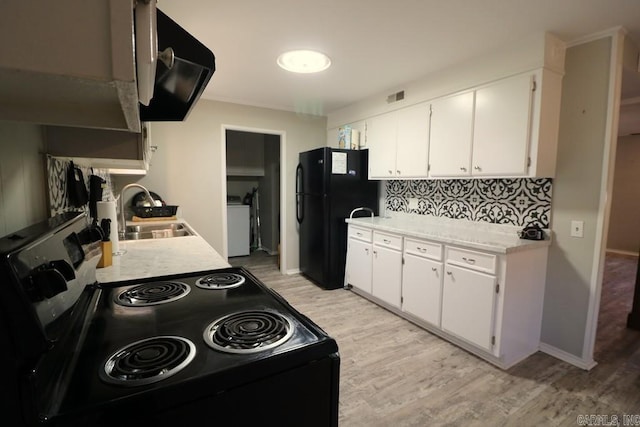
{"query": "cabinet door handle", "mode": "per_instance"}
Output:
(434, 269)
(375, 253)
(463, 169)
(366, 250)
(477, 168)
(469, 260)
(390, 172)
(449, 273)
(399, 173)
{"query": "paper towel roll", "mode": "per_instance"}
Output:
(108, 210)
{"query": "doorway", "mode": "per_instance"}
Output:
(613, 338)
(253, 197)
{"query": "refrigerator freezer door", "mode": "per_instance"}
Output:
(311, 177)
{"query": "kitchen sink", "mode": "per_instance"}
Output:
(157, 231)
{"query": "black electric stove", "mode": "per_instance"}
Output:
(213, 345)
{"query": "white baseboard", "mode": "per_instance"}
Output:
(292, 271)
(587, 365)
(621, 252)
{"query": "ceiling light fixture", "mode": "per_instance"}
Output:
(304, 61)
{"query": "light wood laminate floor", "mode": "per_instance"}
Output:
(394, 373)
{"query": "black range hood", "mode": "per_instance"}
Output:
(178, 88)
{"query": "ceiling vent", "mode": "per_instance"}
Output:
(395, 97)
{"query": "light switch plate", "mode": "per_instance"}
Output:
(577, 228)
(413, 203)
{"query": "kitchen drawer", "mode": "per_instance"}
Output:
(423, 249)
(387, 240)
(360, 233)
(474, 260)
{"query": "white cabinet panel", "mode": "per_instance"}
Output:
(381, 140)
(387, 275)
(502, 127)
(451, 133)
(413, 142)
(358, 270)
(422, 288)
(399, 143)
(468, 300)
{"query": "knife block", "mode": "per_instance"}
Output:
(106, 258)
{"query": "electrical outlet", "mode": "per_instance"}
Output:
(577, 228)
(413, 203)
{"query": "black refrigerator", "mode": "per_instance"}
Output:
(330, 183)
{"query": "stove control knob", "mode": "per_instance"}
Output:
(46, 283)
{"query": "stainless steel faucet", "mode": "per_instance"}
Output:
(122, 226)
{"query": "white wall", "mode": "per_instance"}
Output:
(22, 176)
(573, 263)
(188, 167)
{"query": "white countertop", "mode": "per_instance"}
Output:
(478, 235)
(160, 257)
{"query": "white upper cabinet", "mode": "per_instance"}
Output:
(412, 142)
(399, 143)
(451, 133)
(508, 128)
(69, 63)
(502, 126)
(381, 140)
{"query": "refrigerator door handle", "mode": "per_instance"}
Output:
(299, 208)
(299, 183)
(299, 195)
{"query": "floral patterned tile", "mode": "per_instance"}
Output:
(519, 201)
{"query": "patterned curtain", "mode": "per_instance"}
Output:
(57, 184)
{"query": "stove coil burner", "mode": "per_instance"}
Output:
(153, 293)
(248, 332)
(148, 361)
(220, 281)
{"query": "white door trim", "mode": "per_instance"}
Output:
(606, 188)
(283, 186)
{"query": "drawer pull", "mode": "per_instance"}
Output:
(387, 241)
(423, 250)
(469, 260)
(359, 234)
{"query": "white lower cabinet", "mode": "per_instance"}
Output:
(387, 268)
(422, 280)
(358, 268)
(422, 288)
(490, 304)
(359, 265)
(468, 301)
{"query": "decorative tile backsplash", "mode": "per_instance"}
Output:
(520, 201)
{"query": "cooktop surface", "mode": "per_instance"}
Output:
(174, 336)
